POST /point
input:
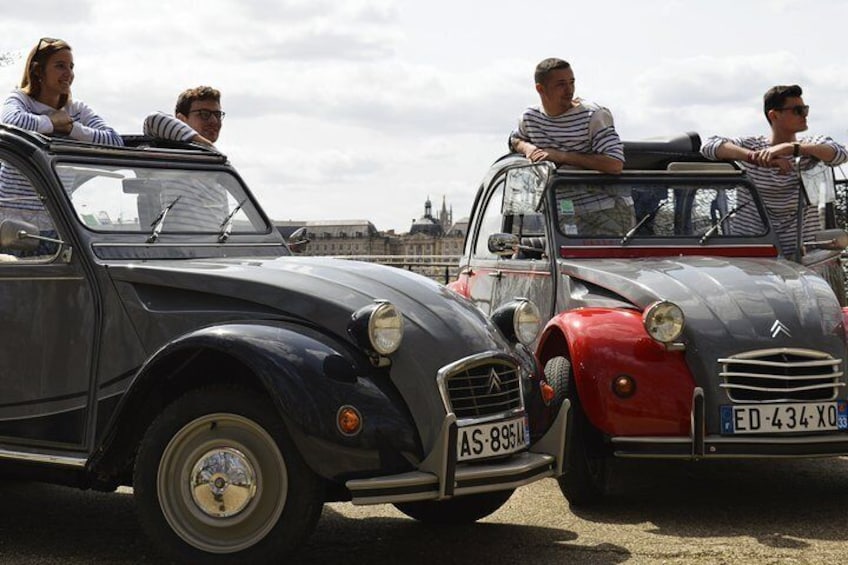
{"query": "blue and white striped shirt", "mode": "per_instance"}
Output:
(23, 111)
(779, 191)
(585, 128)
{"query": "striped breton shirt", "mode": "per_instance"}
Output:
(203, 203)
(585, 128)
(23, 111)
(165, 126)
(779, 192)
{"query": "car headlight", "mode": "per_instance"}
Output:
(378, 327)
(519, 320)
(664, 321)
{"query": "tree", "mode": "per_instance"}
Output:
(8, 57)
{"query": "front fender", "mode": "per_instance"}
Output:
(603, 343)
(307, 375)
(460, 285)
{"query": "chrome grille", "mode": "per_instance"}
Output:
(779, 375)
(482, 387)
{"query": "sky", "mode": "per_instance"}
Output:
(363, 109)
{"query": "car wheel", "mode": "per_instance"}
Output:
(558, 375)
(585, 473)
(459, 510)
(218, 480)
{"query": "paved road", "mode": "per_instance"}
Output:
(728, 512)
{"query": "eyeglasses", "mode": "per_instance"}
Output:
(799, 110)
(206, 115)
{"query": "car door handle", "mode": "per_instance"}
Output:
(495, 274)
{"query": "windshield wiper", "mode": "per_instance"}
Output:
(227, 224)
(160, 220)
(720, 223)
(632, 231)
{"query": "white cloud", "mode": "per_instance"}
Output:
(364, 108)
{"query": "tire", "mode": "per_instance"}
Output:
(237, 437)
(459, 510)
(586, 468)
(558, 375)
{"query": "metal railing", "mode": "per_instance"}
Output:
(440, 268)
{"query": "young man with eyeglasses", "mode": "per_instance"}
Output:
(198, 118)
(770, 162)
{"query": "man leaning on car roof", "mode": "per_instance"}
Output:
(564, 129)
(198, 118)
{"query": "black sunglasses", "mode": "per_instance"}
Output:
(799, 110)
(46, 41)
(206, 115)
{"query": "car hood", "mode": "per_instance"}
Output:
(737, 302)
(440, 327)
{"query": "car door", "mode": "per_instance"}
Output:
(494, 280)
(47, 328)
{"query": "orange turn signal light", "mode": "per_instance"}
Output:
(349, 421)
(624, 386)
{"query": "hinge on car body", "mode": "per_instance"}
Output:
(379, 360)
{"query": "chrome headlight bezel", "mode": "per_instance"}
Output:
(519, 320)
(378, 327)
(664, 321)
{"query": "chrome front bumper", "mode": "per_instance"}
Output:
(440, 476)
(699, 445)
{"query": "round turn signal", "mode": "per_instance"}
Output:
(624, 386)
(349, 421)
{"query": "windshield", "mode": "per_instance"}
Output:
(161, 201)
(630, 209)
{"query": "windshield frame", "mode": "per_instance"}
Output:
(254, 213)
(688, 180)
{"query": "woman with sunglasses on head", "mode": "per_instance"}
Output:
(770, 162)
(43, 102)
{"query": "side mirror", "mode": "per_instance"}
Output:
(503, 244)
(833, 240)
(298, 241)
(18, 235)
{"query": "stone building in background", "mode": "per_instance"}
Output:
(428, 236)
(431, 247)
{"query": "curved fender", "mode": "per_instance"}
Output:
(460, 285)
(309, 377)
(604, 343)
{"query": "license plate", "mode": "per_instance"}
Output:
(488, 440)
(784, 418)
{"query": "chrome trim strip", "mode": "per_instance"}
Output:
(833, 375)
(777, 351)
(786, 389)
(751, 438)
(63, 460)
(230, 244)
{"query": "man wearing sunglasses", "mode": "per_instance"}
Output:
(772, 163)
(198, 118)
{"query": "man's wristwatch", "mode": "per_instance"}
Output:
(796, 149)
